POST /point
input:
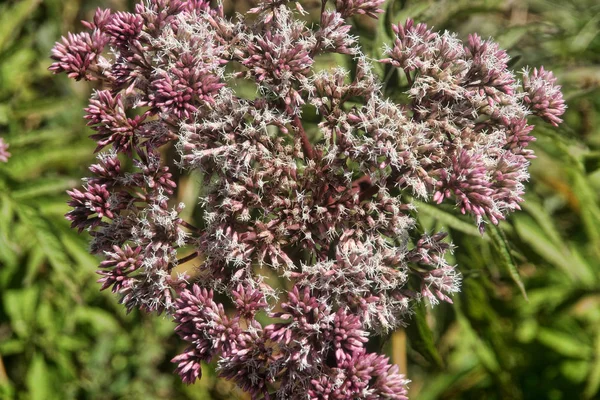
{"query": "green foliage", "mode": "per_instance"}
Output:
(525, 326)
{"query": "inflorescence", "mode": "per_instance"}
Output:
(310, 233)
(4, 154)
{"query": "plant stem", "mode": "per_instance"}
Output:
(189, 226)
(306, 145)
(187, 258)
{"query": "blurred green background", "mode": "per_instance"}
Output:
(525, 326)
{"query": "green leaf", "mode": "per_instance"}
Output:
(532, 234)
(586, 35)
(421, 336)
(47, 319)
(44, 107)
(564, 343)
(511, 36)
(52, 208)
(77, 248)
(15, 71)
(11, 346)
(35, 261)
(592, 386)
(448, 219)
(7, 390)
(414, 11)
(44, 188)
(544, 220)
(486, 355)
(575, 370)
(37, 137)
(506, 260)
(97, 318)
(11, 19)
(38, 379)
(31, 163)
(20, 306)
(9, 253)
(438, 385)
(588, 206)
(46, 238)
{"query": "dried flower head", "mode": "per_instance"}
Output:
(327, 208)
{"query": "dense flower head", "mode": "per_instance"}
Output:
(543, 95)
(118, 265)
(4, 154)
(184, 89)
(93, 202)
(107, 171)
(106, 115)
(351, 7)
(324, 206)
(334, 34)
(123, 28)
(77, 55)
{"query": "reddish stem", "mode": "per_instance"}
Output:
(408, 77)
(306, 145)
(189, 226)
(187, 258)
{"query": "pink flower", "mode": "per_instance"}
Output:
(4, 154)
(543, 95)
(78, 54)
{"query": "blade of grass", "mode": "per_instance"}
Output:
(506, 259)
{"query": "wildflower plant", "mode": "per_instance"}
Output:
(330, 214)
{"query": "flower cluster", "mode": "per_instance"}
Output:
(4, 154)
(326, 209)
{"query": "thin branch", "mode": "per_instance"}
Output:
(306, 145)
(3, 375)
(189, 226)
(187, 258)
(408, 77)
(399, 350)
(323, 4)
